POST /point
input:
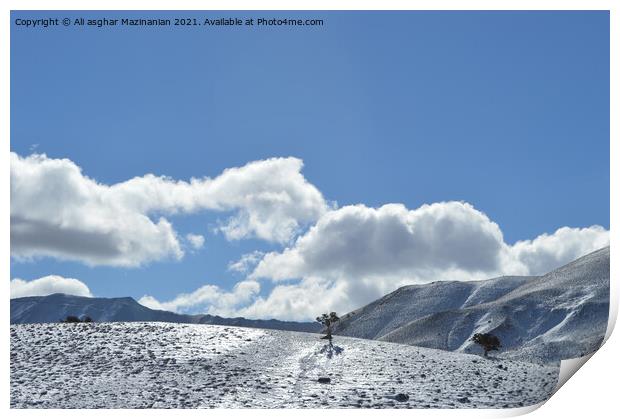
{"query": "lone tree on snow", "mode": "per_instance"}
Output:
(488, 342)
(328, 320)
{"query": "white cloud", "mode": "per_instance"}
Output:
(59, 212)
(395, 242)
(356, 241)
(271, 198)
(47, 285)
(209, 299)
(246, 262)
(195, 240)
(302, 301)
(549, 251)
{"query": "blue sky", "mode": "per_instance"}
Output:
(508, 111)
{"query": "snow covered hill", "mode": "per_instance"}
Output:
(164, 365)
(54, 307)
(557, 316)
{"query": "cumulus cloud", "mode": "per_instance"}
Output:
(549, 251)
(393, 241)
(302, 301)
(246, 262)
(59, 212)
(209, 299)
(195, 240)
(47, 285)
(356, 241)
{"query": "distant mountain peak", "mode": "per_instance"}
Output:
(54, 307)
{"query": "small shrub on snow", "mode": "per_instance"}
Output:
(488, 342)
(76, 319)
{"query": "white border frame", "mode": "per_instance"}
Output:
(592, 393)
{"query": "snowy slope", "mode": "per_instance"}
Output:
(557, 316)
(417, 301)
(54, 307)
(131, 365)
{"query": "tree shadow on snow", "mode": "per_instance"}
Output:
(329, 349)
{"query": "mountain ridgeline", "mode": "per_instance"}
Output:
(55, 307)
(560, 315)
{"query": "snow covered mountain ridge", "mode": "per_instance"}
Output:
(560, 315)
(55, 307)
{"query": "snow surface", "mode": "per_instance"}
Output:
(167, 365)
(558, 316)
